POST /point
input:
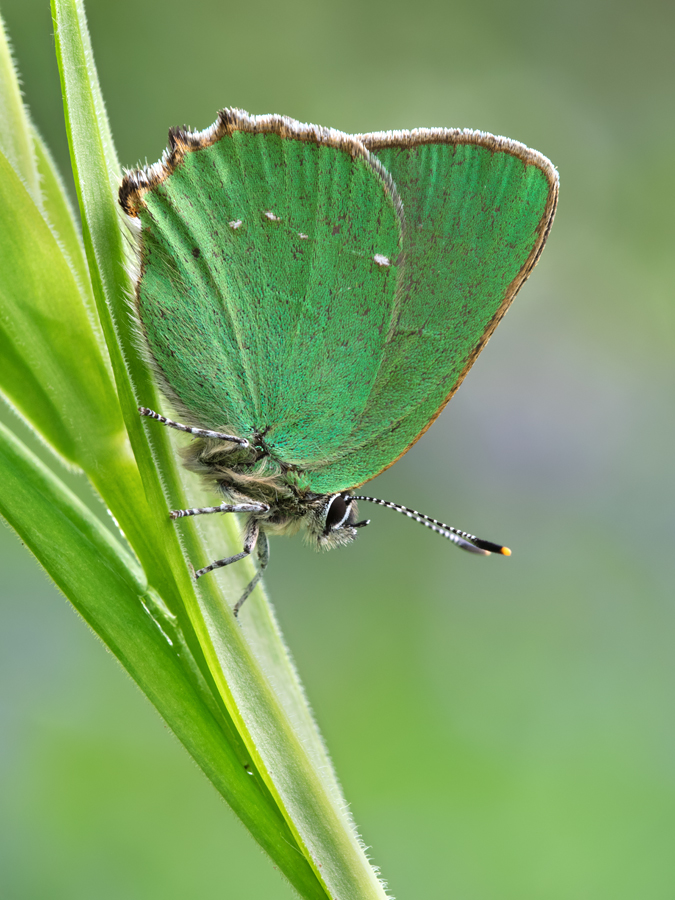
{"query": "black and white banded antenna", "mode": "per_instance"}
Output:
(466, 541)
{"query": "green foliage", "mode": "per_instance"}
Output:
(72, 371)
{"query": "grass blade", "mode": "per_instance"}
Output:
(44, 327)
(95, 171)
(109, 590)
(60, 216)
(276, 750)
(15, 130)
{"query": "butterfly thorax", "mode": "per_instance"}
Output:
(253, 474)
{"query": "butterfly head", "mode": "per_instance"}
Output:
(332, 523)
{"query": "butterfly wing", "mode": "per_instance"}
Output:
(285, 289)
(477, 212)
(268, 279)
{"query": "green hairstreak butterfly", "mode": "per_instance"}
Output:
(312, 299)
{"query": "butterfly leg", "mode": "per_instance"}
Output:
(263, 559)
(199, 432)
(252, 532)
(224, 507)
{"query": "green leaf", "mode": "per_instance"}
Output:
(54, 372)
(224, 660)
(96, 174)
(44, 327)
(60, 217)
(15, 129)
(109, 590)
(266, 641)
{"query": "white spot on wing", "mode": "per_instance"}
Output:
(270, 215)
(236, 223)
(381, 260)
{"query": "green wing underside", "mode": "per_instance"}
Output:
(261, 299)
(473, 218)
(283, 292)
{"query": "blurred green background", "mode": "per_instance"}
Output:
(503, 728)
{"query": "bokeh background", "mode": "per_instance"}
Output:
(503, 728)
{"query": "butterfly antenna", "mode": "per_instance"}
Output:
(464, 540)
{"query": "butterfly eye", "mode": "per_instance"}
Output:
(336, 514)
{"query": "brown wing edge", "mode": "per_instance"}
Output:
(497, 144)
(137, 182)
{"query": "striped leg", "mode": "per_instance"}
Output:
(199, 432)
(224, 507)
(250, 540)
(263, 559)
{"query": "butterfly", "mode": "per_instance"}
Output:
(311, 300)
